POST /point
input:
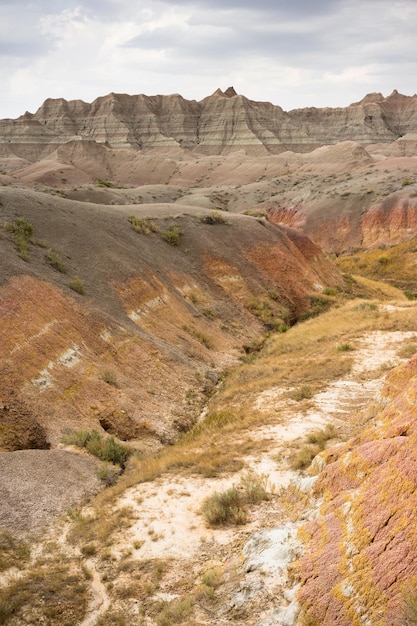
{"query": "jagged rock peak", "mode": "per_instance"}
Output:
(229, 93)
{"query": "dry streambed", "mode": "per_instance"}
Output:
(168, 522)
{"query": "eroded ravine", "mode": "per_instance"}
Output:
(168, 523)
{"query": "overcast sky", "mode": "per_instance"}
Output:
(293, 53)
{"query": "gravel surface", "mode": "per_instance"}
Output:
(38, 485)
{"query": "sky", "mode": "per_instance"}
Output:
(293, 53)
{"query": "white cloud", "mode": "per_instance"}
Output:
(293, 53)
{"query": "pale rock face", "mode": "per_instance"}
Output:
(218, 124)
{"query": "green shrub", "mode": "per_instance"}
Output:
(409, 295)
(172, 235)
(318, 305)
(105, 183)
(55, 260)
(104, 448)
(76, 285)
(330, 291)
(344, 347)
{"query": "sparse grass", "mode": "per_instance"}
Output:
(175, 612)
(318, 305)
(107, 474)
(407, 350)
(105, 448)
(21, 231)
(172, 235)
(273, 315)
(76, 285)
(55, 260)
(316, 442)
(51, 592)
(395, 266)
(13, 551)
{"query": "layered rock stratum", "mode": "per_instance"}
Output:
(217, 124)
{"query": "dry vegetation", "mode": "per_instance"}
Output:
(301, 361)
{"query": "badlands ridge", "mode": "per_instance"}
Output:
(172, 280)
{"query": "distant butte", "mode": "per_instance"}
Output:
(218, 124)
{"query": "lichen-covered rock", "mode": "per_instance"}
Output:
(361, 552)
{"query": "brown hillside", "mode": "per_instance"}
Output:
(158, 323)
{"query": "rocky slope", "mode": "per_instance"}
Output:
(360, 563)
(152, 313)
(217, 124)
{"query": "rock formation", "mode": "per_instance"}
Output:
(361, 558)
(220, 123)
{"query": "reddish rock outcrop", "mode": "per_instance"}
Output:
(361, 552)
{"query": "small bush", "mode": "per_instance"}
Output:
(104, 448)
(224, 508)
(142, 226)
(305, 392)
(344, 347)
(316, 442)
(172, 235)
(406, 182)
(76, 285)
(409, 295)
(407, 351)
(229, 507)
(55, 260)
(105, 183)
(302, 459)
(255, 212)
(254, 488)
(109, 377)
(330, 291)
(89, 550)
(320, 437)
(21, 231)
(215, 217)
(107, 474)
